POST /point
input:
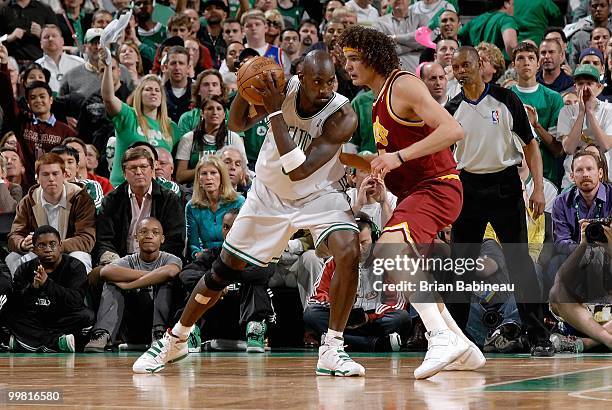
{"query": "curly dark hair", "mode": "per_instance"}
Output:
(377, 49)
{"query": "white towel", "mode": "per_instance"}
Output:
(112, 31)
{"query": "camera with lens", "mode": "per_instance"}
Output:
(594, 231)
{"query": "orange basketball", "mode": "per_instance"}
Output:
(247, 77)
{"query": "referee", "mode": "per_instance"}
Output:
(497, 133)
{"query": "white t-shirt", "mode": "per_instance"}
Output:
(183, 151)
(567, 118)
(365, 16)
(374, 211)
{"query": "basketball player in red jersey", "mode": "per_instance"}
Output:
(413, 135)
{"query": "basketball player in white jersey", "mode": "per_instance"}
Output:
(298, 186)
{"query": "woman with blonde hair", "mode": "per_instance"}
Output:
(274, 25)
(213, 196)
(493, 64)
(129, 56)
(146, 120)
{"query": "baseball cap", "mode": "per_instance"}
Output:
(591, 51)
(93, 33)
(587, 70)
(219, 3)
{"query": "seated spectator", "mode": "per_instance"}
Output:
(36, 127)
(137, 198)
(289, 43)
(163, 182)
(74, 22)
(401, 25)
(229, 66)
(71, 158)
(94, 125)
(54, 59)
(572, 129)
(138, 292)
(274, 26)
(309, 34)
(215, 12)
(579, 33)
(10, 193)
(129, 56)
(213, 195)
(377, 317)
(552, 75)
(497, 26)
(56, 202)
(85, 79)
(178, 85)
(236, 163)
(210, 135)
(207, 83)
(363, 137)
(599, 38)
(255, 25)
(24, 32)
(147, 120)
(434, 77)
(15, 171)
(493, 64)
(366, 13)
(47, 311)
(543, 106)
(371, 197)
(83, 173)
(164, 166)
(256, 311)
(581, 284)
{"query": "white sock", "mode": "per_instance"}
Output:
(430, 315)
(334, 338)
(180, 331)
(452, 325)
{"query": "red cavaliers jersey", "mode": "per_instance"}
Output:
(393, 133)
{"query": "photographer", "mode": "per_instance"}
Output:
(588, 199)
(585, 278)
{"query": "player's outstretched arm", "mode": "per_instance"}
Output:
(239, 119)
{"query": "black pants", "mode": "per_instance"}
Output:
(131, 316)
(255, 300)
(36, 333)
(497, 198)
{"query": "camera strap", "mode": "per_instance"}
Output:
(598, 213)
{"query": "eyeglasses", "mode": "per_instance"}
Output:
(273, 23)
(43, 246)
(134, 168)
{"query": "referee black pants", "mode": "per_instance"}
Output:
(497, 198)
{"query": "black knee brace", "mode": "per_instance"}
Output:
(220, 276)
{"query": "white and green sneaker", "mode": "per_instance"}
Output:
(334, 361)
(256, 334)
(65, 343)
(194, 342)
(168, 349)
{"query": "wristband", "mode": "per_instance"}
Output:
(292, 159)
(279, 112)
(400, 157)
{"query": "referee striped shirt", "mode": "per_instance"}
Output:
(496, 128)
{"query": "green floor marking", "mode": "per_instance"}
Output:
(580, 380)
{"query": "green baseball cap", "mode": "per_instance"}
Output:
(587, 70)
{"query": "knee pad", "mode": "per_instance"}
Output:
(220, 276)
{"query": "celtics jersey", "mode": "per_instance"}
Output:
(303, 131)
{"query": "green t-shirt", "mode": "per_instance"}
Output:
(189, 121)
(548, 104)
(128, 131)
(150, 43)
(292, 15)
(488, 27)
(534, 17)
(254, 138)
(363, 137)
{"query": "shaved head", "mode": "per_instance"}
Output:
(318, 62)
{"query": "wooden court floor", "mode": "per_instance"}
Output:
(286, 381)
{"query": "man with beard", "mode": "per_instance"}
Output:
(586, 122)
(215, 12)
(308, 35)
(150, 33)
